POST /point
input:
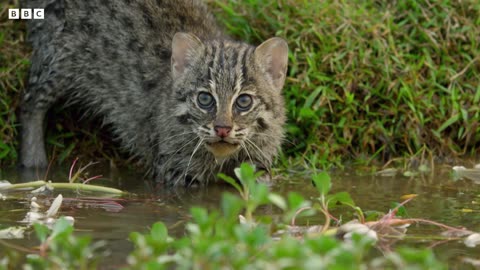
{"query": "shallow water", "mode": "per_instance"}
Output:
(440, 198)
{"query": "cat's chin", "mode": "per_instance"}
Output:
(222, 149)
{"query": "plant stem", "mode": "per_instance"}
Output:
(72, 186)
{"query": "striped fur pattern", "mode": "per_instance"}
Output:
(145, 67)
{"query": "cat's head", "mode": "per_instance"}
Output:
(230, 93)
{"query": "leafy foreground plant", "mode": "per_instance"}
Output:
(59, 249)
(216, 239)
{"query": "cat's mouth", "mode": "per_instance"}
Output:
(222, 149)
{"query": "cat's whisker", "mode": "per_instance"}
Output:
(196, 176)
(212, 176)
(242, 144)
(170, 137)
(272, 136)
(256, 147)
(178, 150)
(259, 151)
(191, 156)
(221, 165)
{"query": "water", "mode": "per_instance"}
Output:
(455, 203)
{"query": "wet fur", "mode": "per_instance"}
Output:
(113, 57)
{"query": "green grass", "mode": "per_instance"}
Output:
(373, 78)
(13, 69)
(368, 80)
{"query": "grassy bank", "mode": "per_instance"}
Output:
(368, 80)
(374, 78)
(13, 70)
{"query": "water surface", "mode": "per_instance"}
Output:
(440, 198)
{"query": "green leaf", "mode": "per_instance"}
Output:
(401, 210)
(159, 232)
(373, 215)
(231, 181)
(135, 237)
(41, 231)
(61, 226)
(322, 182)
(231, 205)
(277, 200)
(4, 150)
(449, 122)
(295, 200)
(340, 198)
(323, 244)
(200, 215)
(312, 97)
(306, 113)
(246, 174)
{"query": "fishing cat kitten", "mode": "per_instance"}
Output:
(177, 92)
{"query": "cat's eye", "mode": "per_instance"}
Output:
(244, 102)
(205, 100)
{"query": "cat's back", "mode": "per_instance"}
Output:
(110, 50)
(166, 16)
(157, 19)
(117, 27)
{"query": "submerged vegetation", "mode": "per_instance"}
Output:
(368, 80)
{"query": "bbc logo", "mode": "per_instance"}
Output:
(25, 13)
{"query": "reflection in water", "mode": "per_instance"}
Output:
(439, 199)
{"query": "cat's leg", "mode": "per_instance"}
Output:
(43, 87)
(36, 102)
(42, 91)
(32, 148)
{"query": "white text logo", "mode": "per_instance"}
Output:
(25, 13)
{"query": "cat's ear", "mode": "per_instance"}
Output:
(272, 57)
(184, 46)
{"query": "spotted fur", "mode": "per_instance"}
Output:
(140, 65)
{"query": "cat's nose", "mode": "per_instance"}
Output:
(222, 131)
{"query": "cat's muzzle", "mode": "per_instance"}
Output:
(222, 149)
